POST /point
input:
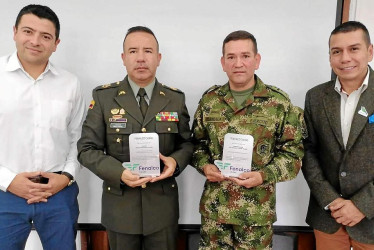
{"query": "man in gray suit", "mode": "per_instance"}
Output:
(138, 213)
(338, 163)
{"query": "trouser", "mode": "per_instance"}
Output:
(55, 221)
(165, 239)
(339, 240)
(226, 236)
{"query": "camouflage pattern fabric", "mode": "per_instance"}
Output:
(215, 236)
(278, 129)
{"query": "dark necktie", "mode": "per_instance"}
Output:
(142, 103)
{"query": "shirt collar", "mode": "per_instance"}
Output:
(14, 64)
(148, 89)
(363, 87)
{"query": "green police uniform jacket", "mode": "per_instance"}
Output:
(104, 147)
(277, 127)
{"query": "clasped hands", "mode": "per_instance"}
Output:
(345, 212)
(133, 180)
(248, 179)
(23, 187)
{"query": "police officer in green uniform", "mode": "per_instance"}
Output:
(238, 213)
(138, 213)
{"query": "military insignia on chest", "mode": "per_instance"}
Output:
(215, 115)
(117, 116)
(114, 111)
(259, 120)
(167, 117)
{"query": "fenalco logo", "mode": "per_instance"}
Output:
(131, 166)
(222, 165)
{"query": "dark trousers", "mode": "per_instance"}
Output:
(166, 239)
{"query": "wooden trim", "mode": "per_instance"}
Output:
(345, 15)
(196, 228)
(94, 236)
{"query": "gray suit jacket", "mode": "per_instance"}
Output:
(333, 171)
(102, 149)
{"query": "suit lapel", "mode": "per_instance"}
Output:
(158, 101)
(331, 103)
(126, 99)
(359, 121)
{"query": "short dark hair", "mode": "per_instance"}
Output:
(239, 35)
(349, 27)
(41, 12)
(140, 29)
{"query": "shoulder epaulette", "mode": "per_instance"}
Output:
(171, 88)
(278, 90)
(214, 87)
(107, 86)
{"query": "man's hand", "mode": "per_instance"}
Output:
(212, 173)
(345, 212)
(248, 179)
(169, 167)
(133, 180)
(32, 192)
(56, 183)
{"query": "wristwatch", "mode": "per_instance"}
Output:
(71, 178)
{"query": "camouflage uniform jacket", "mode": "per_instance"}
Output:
(277, 127)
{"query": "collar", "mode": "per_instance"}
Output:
(148, 89)
(14, 64)
(259, 89)
(338, 86)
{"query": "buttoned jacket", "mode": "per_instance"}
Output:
(103, 148)
(333, 170)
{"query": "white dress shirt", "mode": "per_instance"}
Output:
(348, 104)
(40, 120)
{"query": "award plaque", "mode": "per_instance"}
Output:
(144, 155)
(237, 155)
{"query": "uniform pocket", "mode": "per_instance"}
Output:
(118, 139)
(166, 127)
(170, 187)
(112, 190)
(167, 132)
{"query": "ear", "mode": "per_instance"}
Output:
(159, 56)
(123, 56)
(57, 43)
(370, 52)
(14, 32)
(223, 63)
(258, 60)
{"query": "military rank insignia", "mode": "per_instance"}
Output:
(167, 117)
(92, 104)
(106, 85)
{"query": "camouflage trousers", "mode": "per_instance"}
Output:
(215, 236)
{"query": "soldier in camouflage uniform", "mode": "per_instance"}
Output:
(238, 213)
